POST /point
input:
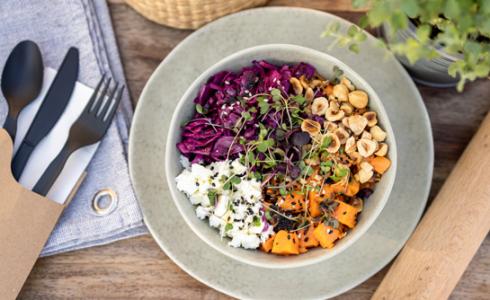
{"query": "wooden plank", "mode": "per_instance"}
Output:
(451, 231)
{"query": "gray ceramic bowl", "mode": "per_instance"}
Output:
(278, 54)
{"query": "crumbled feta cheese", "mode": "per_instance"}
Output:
(202, 213)
(236, 212)
(250, 190)
(215, 221)
(186, 182)
(238, 168)
(247, 241)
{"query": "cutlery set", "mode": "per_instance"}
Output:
(67, 111)
(21, 83)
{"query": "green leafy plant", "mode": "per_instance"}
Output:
(457, 27)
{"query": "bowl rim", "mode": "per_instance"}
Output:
(174, 126)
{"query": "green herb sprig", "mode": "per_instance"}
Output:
(460, 28)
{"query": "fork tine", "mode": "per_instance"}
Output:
(101, 98)
(115, 105)
(91, 102)
(108, 103)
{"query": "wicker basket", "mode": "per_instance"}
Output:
(189, 14)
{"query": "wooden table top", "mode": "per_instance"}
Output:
(137, 268)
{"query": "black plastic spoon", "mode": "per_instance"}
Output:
(22, 79)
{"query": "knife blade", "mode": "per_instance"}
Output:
(51, 109)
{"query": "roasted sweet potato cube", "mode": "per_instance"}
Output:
(267, 245)
(346, 214)
(285, 243)
(326, 235)
(294, 202)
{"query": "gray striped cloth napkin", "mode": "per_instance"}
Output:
(55, 26)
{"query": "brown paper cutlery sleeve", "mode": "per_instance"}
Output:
(26, 221)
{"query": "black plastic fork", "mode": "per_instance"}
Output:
(90, 127)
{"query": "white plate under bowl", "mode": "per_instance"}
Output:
(331, 277)
(278, 54)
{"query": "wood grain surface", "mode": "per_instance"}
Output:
(137, 268)
(451, 231)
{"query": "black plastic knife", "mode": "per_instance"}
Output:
(51, 109)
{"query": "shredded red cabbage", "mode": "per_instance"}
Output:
(208, 136)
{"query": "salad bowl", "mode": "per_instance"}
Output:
(277, 54)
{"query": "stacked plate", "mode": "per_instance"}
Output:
(329, 277)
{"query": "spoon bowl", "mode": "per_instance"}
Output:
(22, 79)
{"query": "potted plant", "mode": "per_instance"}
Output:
(441, 42)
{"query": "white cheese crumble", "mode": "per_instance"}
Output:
(235, 207)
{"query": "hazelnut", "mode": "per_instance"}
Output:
(382, 150)
(333, 115)
(366, 135)
(371, 117)
(345, 122)
(347, 108)
(342, 134)
(315, 83)
(357, 124)
(310, 126)
(303, 82)
(296, 84)
(350, 145)
(309, 94)
(334, 143)
(347, 83)
(366, 166)
(356, 157)
(319, 106)
(307, 110)
(340, 92)
(330, 126)
(365, 175)
(358, 99)
(378, 133)
(366, 147)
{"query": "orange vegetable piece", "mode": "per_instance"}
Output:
(309, 240)
(285, 243)
(326, 235)
(267, 245)
(327, 192)
(314, 196)
(314, 208)
(380, 164)
(346, 214)
(328, 90)
(301, 235)
(294, 202)
(339, 187)
(352, 188)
